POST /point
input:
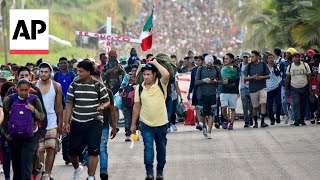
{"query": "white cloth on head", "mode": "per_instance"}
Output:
(208, 59)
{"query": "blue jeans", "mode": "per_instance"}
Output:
(284, 101)
(151, 135)
(246, 104)
(274, 96)
(169, 106)
(104, 150)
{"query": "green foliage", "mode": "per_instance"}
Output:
(67, 16)
(274, 23)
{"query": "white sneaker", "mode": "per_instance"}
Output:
(174, 128)
(205, 132)
(209, 136)
(1, 169)
(77, 173)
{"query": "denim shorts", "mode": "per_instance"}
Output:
(228, 100)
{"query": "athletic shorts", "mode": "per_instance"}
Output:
(206, 103)
(228, 100)
(259, 97)
(84, 134)
(49, 140)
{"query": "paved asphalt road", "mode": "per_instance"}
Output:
(277, 152)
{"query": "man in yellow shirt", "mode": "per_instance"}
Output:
(150, 103)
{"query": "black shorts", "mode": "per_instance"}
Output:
(85, 134)
(206, 102)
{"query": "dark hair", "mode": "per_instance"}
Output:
(7, 68)
(190, 52)
(149, 55)
(29, 64)
(173, 56)
(316, 51)
(39, 61)
(199, 57)
(255, 53)
(134, 66)
(5, 87)
(63, 59)
(96, 73)
(186, 58)
(230, 55)
(14, 67)
(45, 65)
(102, 55)
(316, 56)
(214, 57)
(22, 82)
(87, 65)
(277, 51)
(205, 54)
(73, 61)
(3, 80)
(23, 68)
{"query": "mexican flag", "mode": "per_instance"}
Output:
(146, 34)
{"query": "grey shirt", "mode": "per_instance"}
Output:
(260, 69)
(204, 88)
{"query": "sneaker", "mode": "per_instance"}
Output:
(1, 169)
(199, 127)
(127, 139)
(230, 127)
(67, 163)
(251, 122)
(278, 121)
(318, 122)
(246, 125)
(272, 123)
(217, 125)
(303, 123)
(292, 123)
(77, 173)
(104, 176)
(168, 130)
(174, 128)
(312, 121)
(296, 123)
(264, 125)
(205, 132)
(45, 177)
(255, 125)
(149, 177)
(225, 125)
(209, 136)
(159, 176)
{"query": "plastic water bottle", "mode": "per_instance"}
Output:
(134, 137)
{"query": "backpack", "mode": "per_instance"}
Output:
(128, 96)
(21, 122)
(159, 84)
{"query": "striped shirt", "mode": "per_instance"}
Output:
(85, 100)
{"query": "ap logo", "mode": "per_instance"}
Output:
(29, 31)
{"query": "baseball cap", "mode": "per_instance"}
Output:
(310, 51)
(245, 54)
(122, 59)
(149, 67)
(291, 50)
(296, 54)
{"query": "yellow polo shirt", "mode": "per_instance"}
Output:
(153, 104)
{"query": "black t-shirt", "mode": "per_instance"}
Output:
(260, 69)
